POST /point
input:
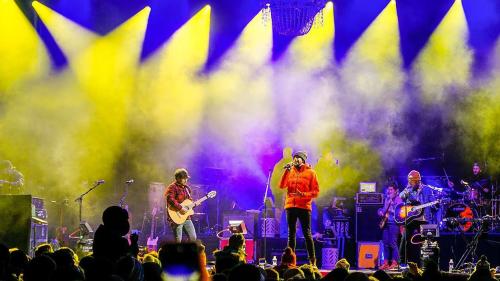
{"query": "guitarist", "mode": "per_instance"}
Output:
(414, 194)
(390, 230)
(176, 193)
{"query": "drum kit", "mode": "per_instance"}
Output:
(465, 211)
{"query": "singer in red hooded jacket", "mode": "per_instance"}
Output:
(302, 186)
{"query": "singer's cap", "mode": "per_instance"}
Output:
(301, 154)
(181, 174)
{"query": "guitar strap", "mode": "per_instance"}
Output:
(187, 191)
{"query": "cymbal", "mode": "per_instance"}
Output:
(253, 211)
(197, 214)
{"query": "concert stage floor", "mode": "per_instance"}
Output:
(452, 246)
(397, 273)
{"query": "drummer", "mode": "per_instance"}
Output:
(477, 188)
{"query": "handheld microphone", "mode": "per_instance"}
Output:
(288, 166)
(130, 181)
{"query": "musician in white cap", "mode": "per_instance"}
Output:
(415, 194)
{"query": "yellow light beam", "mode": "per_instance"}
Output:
(107, 71)
(372, 78)
(22, 54)
(170, 91)
(105, 68)
(69, 35)
(239, 95)
(253, 47)
(314, 49)
(445, 62)
(373, 66)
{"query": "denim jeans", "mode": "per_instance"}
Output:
(188, 227)
(304, 216)
(390, 236)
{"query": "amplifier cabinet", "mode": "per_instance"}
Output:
(368, 254)
(369, 198)
(367, 223)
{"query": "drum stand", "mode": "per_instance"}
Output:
(472, 246)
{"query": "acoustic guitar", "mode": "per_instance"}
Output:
(178, 217)
(410, 212)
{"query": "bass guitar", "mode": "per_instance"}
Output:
(178, 217)
(404, 212)
(385, 217)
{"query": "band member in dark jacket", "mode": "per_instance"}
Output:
(175, 194)
(390, 230)
(479, 190)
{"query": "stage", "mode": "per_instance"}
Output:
(452, 245)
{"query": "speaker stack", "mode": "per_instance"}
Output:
(367, 219)
(23, 222)
(368, 233)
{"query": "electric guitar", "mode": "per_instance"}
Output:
(385, 217)
(152, 243)
(178, 217)
(410, 212)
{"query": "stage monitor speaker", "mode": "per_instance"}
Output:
(367, 223)
(368, 254)
(15, 222)
(249, 218)
(250, 247)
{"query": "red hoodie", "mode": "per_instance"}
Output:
(304, 180)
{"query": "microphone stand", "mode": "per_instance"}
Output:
(406, 234)
(79, 199)
(405, 203)
(268, 183)
(122, 199)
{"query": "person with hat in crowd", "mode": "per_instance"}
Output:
(175, 194)
(231, 255)
(482, 271)
(288, 260)
(416, 193)
(301, 184)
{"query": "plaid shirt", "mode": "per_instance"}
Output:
(176, 194)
